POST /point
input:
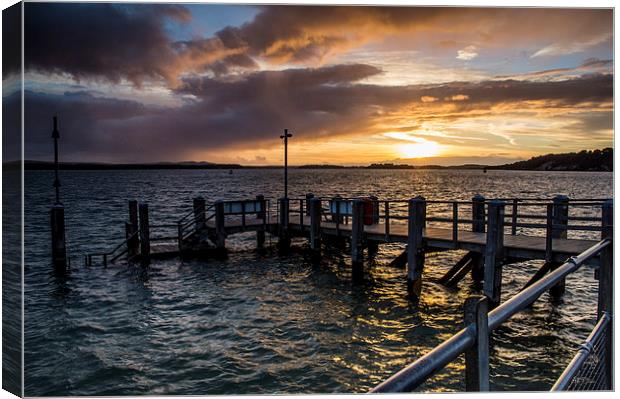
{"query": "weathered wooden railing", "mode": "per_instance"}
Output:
(473, 339)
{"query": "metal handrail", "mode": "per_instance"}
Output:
(582, 355)
(416, 373)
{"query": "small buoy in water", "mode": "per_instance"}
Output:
(230, 171)
(484, 170)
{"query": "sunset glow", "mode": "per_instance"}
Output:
(355, 85)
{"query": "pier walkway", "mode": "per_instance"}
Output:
(493, 233)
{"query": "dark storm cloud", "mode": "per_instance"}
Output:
(106, 41)
(252, 110)
(82, 122)
(101, 40)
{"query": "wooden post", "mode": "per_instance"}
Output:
(559, 229)
(59, 245)
(606, 287)
(477, 357)
(133, 245)
(477, 226)
(260, 234)
(284, 240)
(515, 210)
(199, 213)
(315, 224)
(549, 235)
(309, 197)
(373, 246)
(493, 253)
(220, 226)
(357, 239)
(145, 241)
(133, 214)
(455, 224)
(415, 246)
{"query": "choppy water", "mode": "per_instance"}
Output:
(267, 323)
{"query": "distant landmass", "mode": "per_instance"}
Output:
(597, 160)
(594, 160)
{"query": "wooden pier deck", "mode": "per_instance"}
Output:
(491, 237)
(517, 246)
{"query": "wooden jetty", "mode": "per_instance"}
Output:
(493, 238)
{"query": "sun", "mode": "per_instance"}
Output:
(418, 150)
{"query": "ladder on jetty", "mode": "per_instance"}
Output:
(533, 228)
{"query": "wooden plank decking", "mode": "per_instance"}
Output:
(516, 246)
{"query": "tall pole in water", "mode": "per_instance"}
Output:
(285, 136)
(56, 136)
(57, 213)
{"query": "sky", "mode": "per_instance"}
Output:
(354, 85)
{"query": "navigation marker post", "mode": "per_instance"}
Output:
(57, 214)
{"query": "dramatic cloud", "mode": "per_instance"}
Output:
(250, 111)
(130, 42)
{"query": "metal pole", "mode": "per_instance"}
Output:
(56, 136)
(285, 136)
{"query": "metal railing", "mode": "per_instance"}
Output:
(416, 373)
(588, 371)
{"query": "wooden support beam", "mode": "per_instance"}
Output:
(220, 226)
(400, 260)
(145, 238)
(559, 230)
(315, 225)
(133, 241)
(59, 245)
(539, 274)
(199, 213)
(133, 245)
(373, 247)
(456, 268)
(357, 239)
(260, 233)
(284, 239)
(477, 356)
(460, 275)
(477, 226)
(493, 254)
(309, 197)
(415, 254)
(133, 214)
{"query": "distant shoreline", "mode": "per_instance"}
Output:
(584, 161)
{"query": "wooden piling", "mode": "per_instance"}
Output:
(200, 218)
(559, 229)
(284, 239)
(133, 241)
(260, 234)
(133, 244)
(220, 226)
(357, 239)
(477, 356)
(477, 226)
(309, 197)
(315, 224)
(415, 247)
(59, 245)
(145, 240)
(493, 254)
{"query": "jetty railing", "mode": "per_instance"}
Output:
(536, 216)
(473, 339)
